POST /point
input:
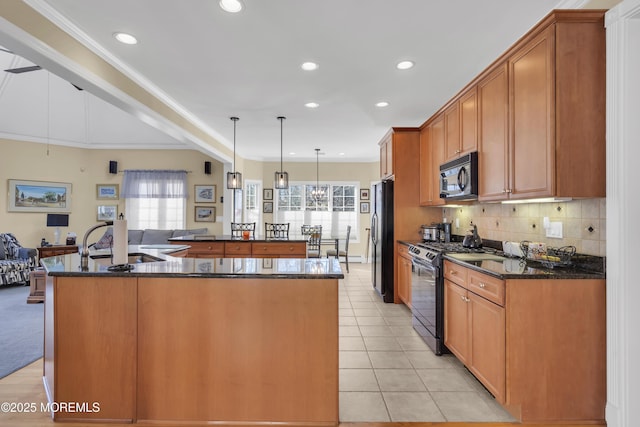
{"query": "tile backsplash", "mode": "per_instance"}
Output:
(583, 222)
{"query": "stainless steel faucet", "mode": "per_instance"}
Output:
(84, 254)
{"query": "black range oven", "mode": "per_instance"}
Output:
(427, 296)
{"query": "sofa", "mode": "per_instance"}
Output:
(146, 237)
(16, 262)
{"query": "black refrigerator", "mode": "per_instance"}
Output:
(382, 240)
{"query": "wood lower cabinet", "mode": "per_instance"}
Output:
(243, 249)
(404, 274)
(541, 352)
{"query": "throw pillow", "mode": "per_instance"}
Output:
(155, 237)
(106, 240)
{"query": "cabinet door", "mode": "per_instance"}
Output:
(469, 122)
(383, 160)
(456, 321)
(493, 153)
(436, 140)
(404, 280)
(389, 147)
(427, 174)
(531, 83)
(487, 341)
(452, 132)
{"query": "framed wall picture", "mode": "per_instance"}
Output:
(205, 193)
(39, 196)
(107, 191)
(267, 207)
(267, 263)
(205, 214)
(267, 194)
(364, 207)
(107, 212)
(364, 194)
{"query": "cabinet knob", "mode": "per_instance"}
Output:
(462, 297)
(457, 151)
(482, 285)
(467, 299)
(452, 272)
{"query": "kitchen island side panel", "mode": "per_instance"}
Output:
(238, 350)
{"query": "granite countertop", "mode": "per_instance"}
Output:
(516, 268)
(170, 266)
(228, 238)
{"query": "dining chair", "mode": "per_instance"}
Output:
(276, 230)
(313, 233)
(238, 227)
(342, 253)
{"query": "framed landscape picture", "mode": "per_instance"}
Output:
(364, 207)
(267, 207)
(107, 191)
(205, 214)
(205, 193)
(39, 196)
(107, 212)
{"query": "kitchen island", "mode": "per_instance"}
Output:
(193, 340)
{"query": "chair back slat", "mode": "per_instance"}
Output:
(276, 230)
(238, 227)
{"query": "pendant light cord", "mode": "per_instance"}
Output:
(281, 118)
(235, 119)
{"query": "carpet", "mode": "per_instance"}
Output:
(21, 329)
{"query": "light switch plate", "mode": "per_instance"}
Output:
(554, 230)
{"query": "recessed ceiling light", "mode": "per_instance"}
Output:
(309, 66)
(340, 154)
(125, 38)
(292, 153)
(404, 65)
(232, 6)
(312, 105)
(382, 104)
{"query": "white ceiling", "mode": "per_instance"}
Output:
(213, 65)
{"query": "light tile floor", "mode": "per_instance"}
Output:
(387, 373)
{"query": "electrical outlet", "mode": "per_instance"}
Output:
(554, 230)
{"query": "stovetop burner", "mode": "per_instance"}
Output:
(431, 251)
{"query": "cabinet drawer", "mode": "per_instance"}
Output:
(237, 248)
(486, 286)
(209, 248)
(456, 273)
(284, 249)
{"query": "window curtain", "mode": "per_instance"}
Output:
(154, 184)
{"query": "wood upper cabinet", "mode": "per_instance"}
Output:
(436, 142)
(386, 157)
(461, 126)
(553, 141)
(426, 174)
(469, 121)
(452, 131)
(493, 152)
(531, 85)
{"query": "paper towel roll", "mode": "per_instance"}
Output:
(120, 242)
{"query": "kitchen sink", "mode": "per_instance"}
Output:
(477, 257)
(133, 258)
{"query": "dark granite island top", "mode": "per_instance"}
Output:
(179, 267)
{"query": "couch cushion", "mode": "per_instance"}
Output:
(135, 236)
(155, 237)
(2, 255)
(180, 233)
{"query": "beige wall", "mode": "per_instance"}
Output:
(524, 222)
(84, 169)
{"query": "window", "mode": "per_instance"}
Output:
(252, 210)
(155, 199)
(334, 210)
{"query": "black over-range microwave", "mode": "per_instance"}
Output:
(459, 178)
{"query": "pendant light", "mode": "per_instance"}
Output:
(318, 193)
(281, 177)
(234, 179)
